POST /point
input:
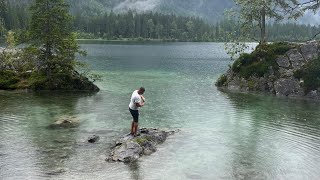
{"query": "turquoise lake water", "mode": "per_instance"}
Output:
(222, 135)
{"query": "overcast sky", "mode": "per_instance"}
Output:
(311, 18)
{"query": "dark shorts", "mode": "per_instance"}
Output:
(135, 115)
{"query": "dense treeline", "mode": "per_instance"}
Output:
(150, 25)
(147, 26)
(292, 32)
(13, 16)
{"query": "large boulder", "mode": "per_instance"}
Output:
(130, 148)
(283, 61)
(288, 87)
(310, 50)
(296, 59)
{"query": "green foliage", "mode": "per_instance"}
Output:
(10, 59)
(145, 25)
(51, 32)
(37, 81)
(10, 39)
(48, 63)
(142, 140)
(59, 81)
(258, 62)
(14, 16)
(8, 79)
(253, 14)
(259, 68)
(53, 43)
(310, 75)
(251, 85)
(221, 81)
(277, 48)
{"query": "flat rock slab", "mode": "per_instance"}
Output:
(129, 148)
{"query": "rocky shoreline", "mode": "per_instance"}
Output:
(280, 79)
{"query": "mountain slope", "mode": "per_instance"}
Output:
(210, 10)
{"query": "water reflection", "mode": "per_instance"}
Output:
(134, 168)
(25, 118)
(274, 135)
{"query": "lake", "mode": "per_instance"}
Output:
(222, 135)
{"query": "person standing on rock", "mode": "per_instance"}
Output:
(137, 101)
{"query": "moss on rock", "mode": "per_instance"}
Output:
(258, 62)
(222, 80)
(10, 80)
(310, 74)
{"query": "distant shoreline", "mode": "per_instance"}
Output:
(129, 40)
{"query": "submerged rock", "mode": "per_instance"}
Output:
(129, 148)
(65, 122)
(93, 139)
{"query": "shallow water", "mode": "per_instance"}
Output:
(223, 135)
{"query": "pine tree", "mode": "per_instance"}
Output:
(51, 34)
(3, 11)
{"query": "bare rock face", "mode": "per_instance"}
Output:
(280, 80)
(129, 148)
(283, 61)
(285, 73)
(310, 50)
(127, 152)
(296, 59)
(286, 87)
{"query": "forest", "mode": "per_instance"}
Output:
(132, 25)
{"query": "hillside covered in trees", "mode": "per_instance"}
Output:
(112, 20)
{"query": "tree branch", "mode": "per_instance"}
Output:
(314, 36)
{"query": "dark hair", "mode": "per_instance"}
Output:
(142, 89)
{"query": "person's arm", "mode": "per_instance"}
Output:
(142, 98)
(139, 102)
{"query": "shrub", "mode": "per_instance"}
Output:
(222, 79)
(244, 60)
(251, 85)
(38, 80)
(236, 66)
(255, 69)
(310, 75)
(8, 79)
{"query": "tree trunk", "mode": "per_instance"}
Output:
(48, 47)
(263, 25)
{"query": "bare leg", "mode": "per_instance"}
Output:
(135, 128)
(132, 127)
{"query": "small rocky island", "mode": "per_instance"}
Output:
(20, 69)
(130, 148)
(283, 69)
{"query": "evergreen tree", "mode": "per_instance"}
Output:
(3, 11)
(51, 34)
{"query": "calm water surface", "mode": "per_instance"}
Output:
(223, 135)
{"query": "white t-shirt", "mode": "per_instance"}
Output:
(135, 98)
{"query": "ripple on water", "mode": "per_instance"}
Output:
(222, 135)
(9, 122)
